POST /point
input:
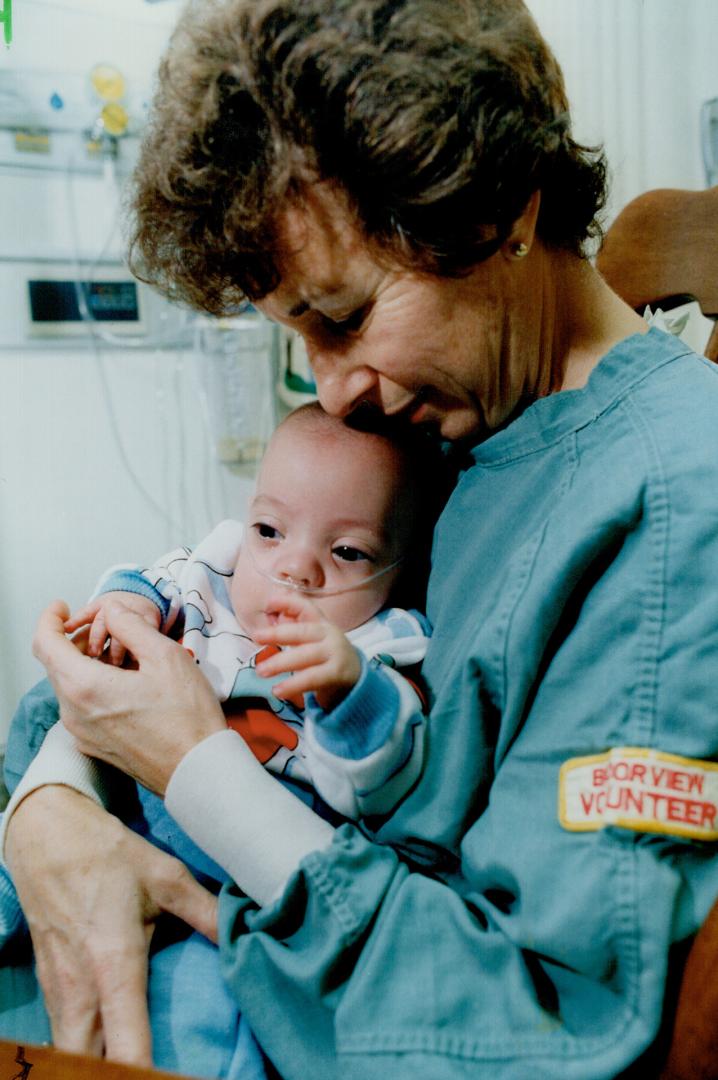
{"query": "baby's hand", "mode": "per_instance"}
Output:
(93, 614)
(319, 656)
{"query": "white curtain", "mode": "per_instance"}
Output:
(637, 72)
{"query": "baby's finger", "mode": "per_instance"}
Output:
(312, 679)
(81, 638)
(98, 635)
(295, 686)
(292, 659)
(82, 617)
(289, 633)
(294, 605)
(117, 652)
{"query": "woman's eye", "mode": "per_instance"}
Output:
(345, 326)
(351, 554)
(267, 532)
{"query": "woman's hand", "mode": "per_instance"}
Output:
(92, 615)
(142, 721)
(91, 891)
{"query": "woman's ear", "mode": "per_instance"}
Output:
(518, 243)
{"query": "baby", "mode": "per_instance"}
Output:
(291, 619)
(302, 593)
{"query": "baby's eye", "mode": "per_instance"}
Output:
(267, 532)
(351, 554)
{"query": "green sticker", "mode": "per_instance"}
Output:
(6, 20)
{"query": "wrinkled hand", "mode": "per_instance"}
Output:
(91, 891)
(93, 615)
(319, 656)
(142, 721)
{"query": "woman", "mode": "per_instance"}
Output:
(398, 183)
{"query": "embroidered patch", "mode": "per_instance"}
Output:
(640, 789)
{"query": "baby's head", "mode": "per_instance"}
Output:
(333, 506)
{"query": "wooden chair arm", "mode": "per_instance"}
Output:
(693, 1053)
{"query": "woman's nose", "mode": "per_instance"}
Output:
(342, 385)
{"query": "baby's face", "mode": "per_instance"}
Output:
(327, 514)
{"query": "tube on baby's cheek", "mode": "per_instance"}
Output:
(321, 590)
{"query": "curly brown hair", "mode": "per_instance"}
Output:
(437, 118)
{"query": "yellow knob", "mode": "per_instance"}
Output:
(114, 119)
(108, 83)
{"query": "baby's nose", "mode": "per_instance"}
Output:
(301, 568)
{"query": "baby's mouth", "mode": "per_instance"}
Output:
(277, 615)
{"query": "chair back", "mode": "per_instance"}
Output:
(664, 246)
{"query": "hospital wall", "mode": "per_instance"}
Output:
(637, 72)
(107, 454)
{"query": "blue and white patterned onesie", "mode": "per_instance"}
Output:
(364, 755)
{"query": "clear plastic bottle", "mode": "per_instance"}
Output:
(238, 356)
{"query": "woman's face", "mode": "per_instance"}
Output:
(437, 351)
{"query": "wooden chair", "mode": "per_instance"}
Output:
(663, 246)
(693, 1049)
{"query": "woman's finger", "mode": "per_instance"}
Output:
(122, 985)
(138, 636)
(122, 974)
(177, 892)
(53, 648)
(71, 1001)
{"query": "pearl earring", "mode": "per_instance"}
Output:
(520, 250)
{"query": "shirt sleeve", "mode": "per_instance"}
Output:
(238, 814)
(160, 583)
(59, 762)
(134, 581)
(366, 754)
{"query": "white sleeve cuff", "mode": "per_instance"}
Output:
(58, 762)
(242, 817)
